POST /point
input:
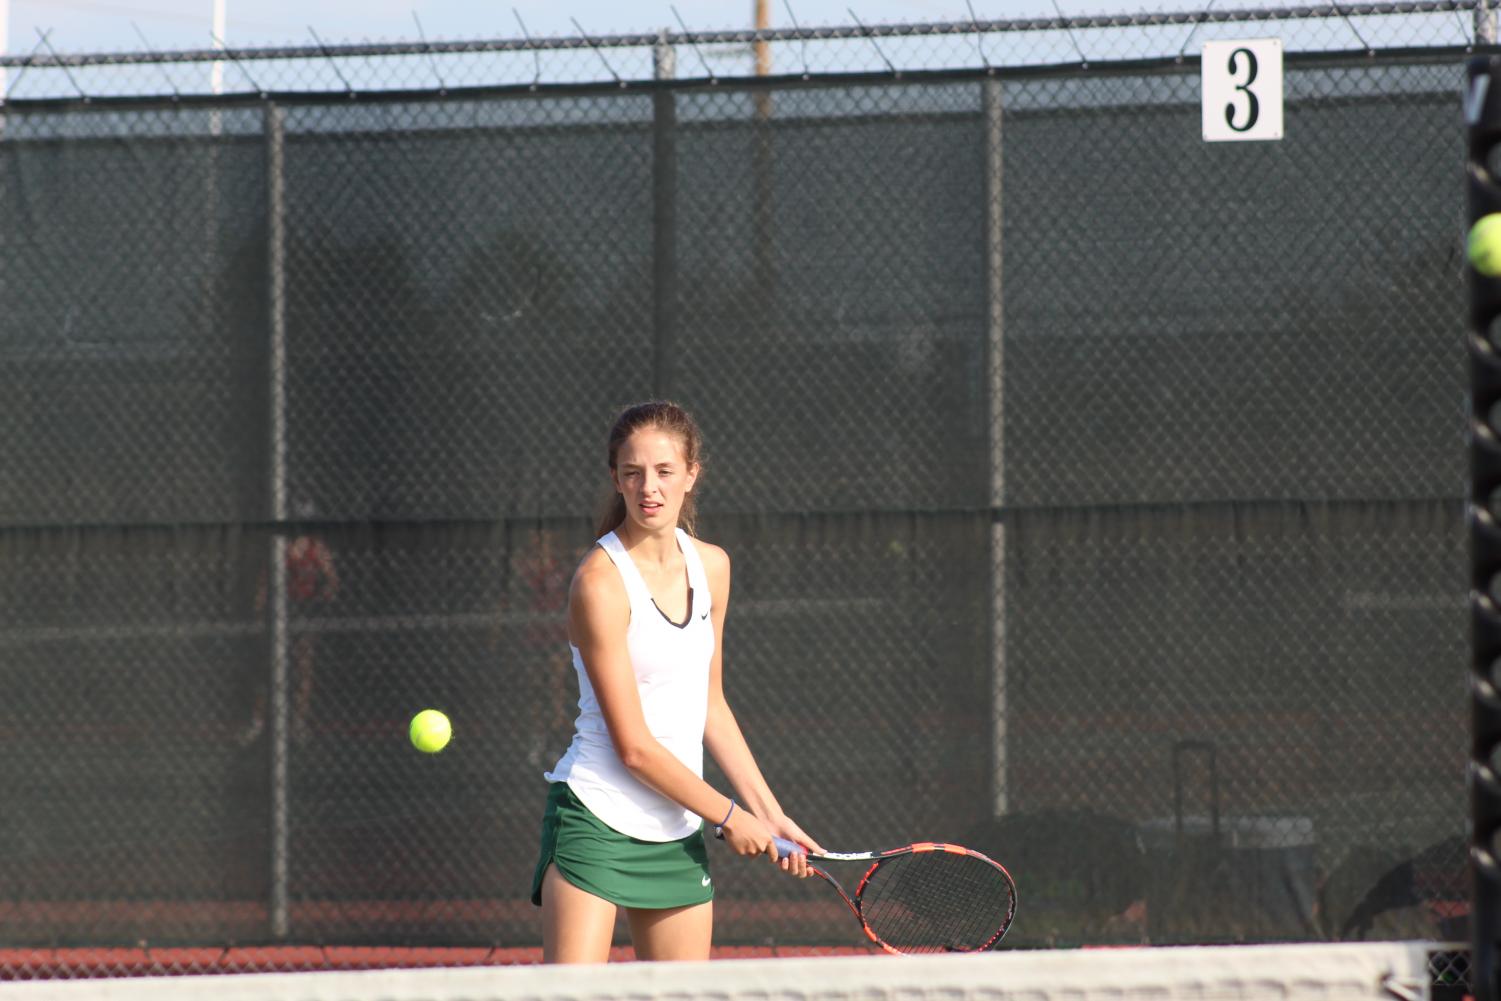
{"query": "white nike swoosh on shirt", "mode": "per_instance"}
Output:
(704, 881)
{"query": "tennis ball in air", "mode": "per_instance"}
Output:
(1484, 245)
(430, 731)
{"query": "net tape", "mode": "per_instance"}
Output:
(1340, 972)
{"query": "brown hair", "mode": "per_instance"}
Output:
(664, 416)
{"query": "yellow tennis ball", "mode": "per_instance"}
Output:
(430, 731)
(1484, 245)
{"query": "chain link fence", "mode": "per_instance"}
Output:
(1095, 493)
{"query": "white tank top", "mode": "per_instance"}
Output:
(671, 663)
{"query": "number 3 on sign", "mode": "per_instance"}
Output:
(1242, 90)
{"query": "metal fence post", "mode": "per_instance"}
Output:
(991, 120)
(664, 219)
(1485, 23)
(275, 123)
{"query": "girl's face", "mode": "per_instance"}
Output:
(652, 477)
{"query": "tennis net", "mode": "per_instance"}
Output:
(1404, 971)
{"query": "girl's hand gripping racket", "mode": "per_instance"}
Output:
(925, 897)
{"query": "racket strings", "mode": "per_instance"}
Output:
(937, 902)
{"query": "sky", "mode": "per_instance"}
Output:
(121, 25)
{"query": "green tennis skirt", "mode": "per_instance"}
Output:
(626, 871)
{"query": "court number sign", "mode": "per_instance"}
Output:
(1242, 90)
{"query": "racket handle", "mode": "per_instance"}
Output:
(785, 848)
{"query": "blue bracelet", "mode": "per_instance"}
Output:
(719, 827)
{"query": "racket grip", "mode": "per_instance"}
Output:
(785, 848)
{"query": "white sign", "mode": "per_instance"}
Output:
(1242, 91)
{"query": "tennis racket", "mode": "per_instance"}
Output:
(925, 897)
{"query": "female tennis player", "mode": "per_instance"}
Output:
(627, 806)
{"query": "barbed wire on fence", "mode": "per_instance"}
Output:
(860, 48)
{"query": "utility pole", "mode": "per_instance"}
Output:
(4, 43)
(761, 152)
(216, 75)
(762, 47)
